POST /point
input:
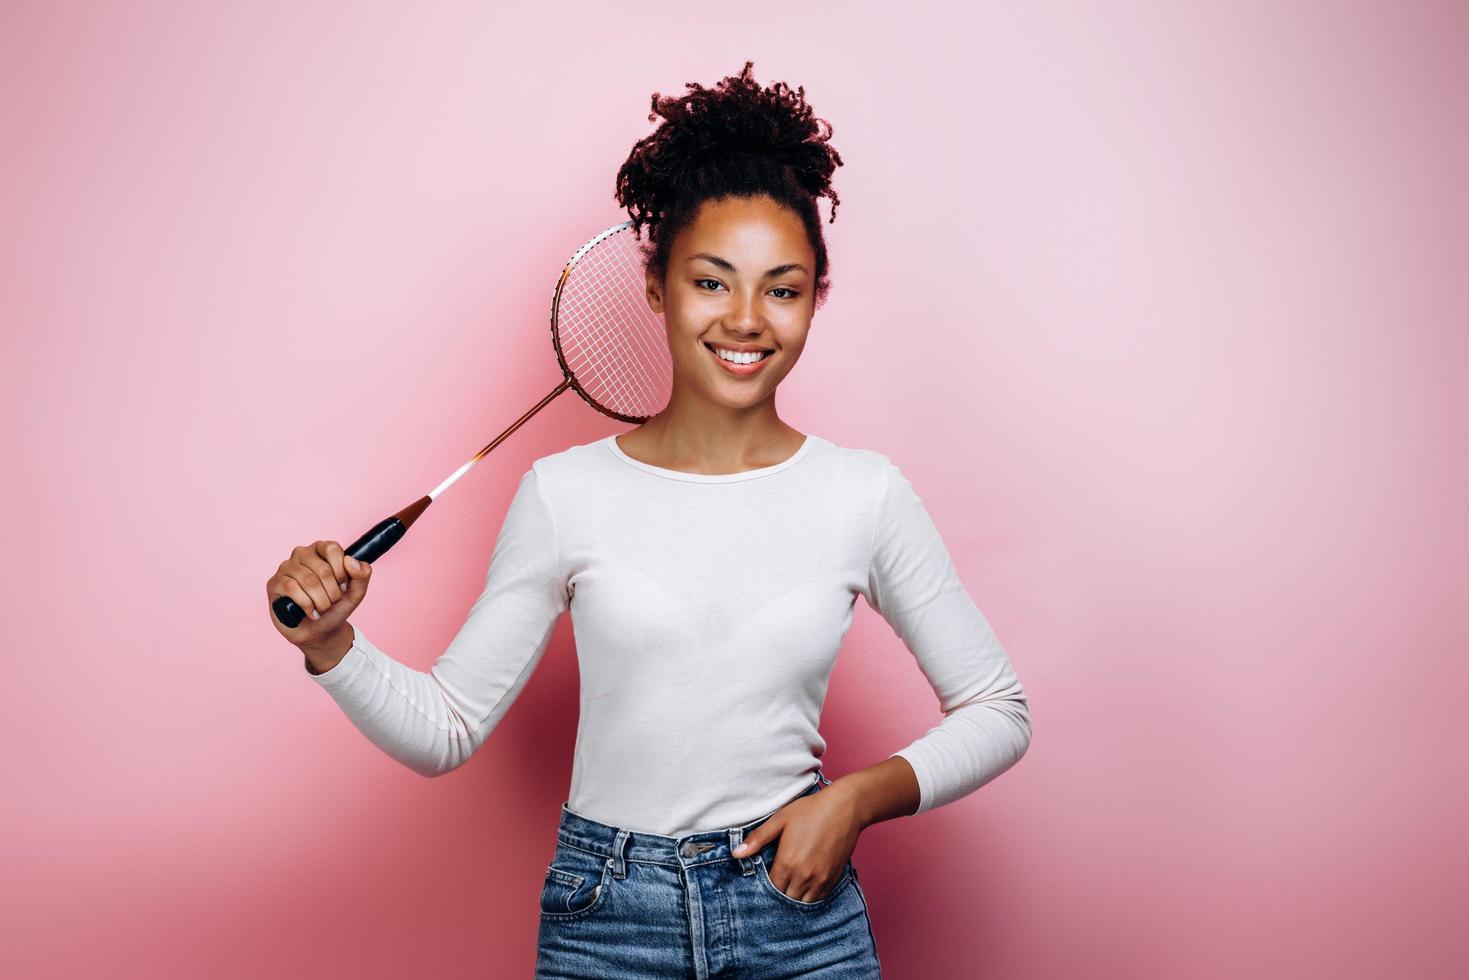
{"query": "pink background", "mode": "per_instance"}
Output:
(1156, 306)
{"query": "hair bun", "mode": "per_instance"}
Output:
(737, 116)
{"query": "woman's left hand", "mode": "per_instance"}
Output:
(817, 836)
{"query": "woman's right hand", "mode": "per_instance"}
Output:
(327, 585)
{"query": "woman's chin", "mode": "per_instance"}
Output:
(735, 396)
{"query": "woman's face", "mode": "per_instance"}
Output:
(739, 277)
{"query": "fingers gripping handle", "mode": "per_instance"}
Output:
(368, 548)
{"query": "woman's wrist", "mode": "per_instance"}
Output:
(881, 792)
(326, 654)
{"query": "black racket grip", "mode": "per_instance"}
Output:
(369, 548)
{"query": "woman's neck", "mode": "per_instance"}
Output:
(712, 443)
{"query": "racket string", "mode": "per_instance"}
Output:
(614, 346)
(604, 307)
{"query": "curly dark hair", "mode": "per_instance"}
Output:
(735, 139)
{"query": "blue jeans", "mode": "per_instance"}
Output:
(618, 904)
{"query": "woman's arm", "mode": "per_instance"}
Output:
(433, 721)
(912, 583)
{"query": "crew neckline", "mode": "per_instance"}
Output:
(787, 463)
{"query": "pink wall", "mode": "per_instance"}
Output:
(1155, 306)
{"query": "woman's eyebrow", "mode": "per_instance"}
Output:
(728, 267)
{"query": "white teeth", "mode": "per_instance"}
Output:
(747, 357)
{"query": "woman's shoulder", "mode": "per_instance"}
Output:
(855, 460)
(573, 464)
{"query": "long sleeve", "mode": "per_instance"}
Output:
(433, 721)
(912, 583)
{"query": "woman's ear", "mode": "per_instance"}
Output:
(655, 293)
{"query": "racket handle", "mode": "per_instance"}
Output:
(369, 548)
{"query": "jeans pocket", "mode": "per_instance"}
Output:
(576, 884)
(762, 872)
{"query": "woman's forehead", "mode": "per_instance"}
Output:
(744, 231)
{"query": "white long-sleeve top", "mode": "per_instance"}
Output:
(707, 611)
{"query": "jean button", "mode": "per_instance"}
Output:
(688, 850)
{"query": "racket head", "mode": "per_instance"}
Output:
(612, 348)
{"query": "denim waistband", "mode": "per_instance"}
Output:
(620, 844)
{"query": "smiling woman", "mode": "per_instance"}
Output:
(701, 836)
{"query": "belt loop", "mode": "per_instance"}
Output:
(736, 838)
(619, 844)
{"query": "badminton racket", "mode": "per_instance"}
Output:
(612, 350)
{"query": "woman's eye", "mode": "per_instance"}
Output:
(791, 293)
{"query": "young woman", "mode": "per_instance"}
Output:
(710, 559)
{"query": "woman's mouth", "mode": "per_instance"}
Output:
(737, 369)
